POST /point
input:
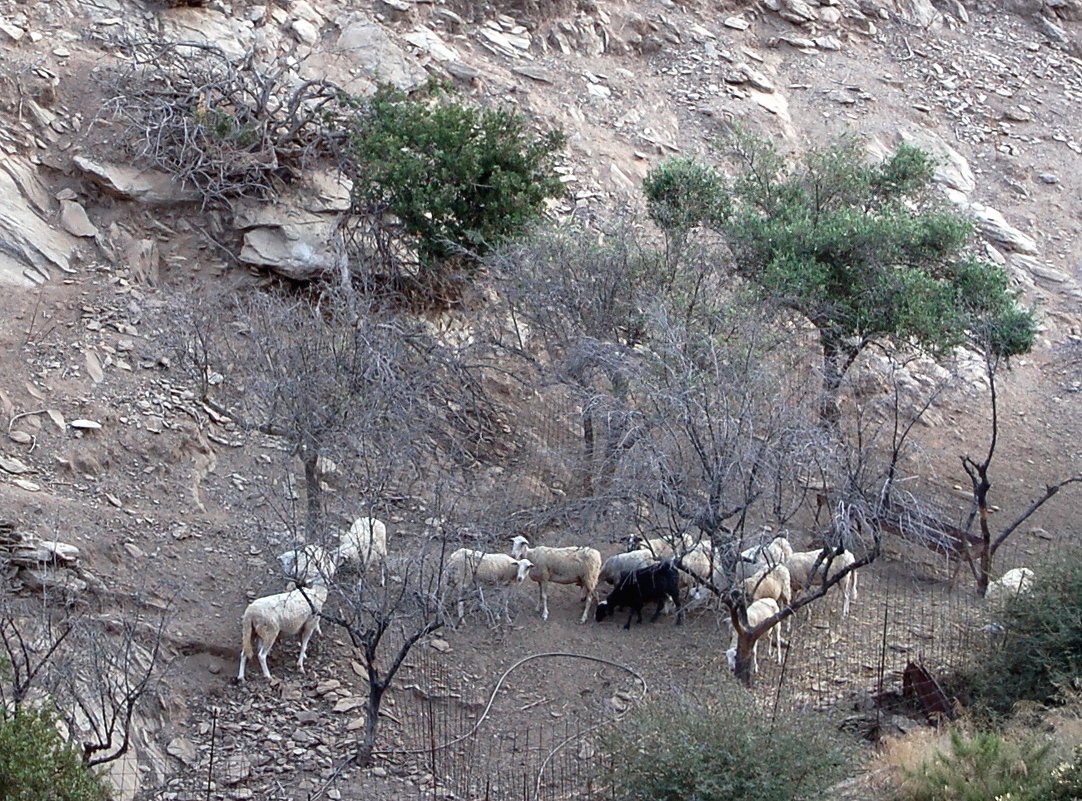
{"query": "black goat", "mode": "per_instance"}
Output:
(653, 583)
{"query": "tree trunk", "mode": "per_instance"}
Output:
(829, 409)
(984, 563)
(744, 645)
(367, 744)
(589, 448)
(313, 496)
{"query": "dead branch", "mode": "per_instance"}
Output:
(226, 128)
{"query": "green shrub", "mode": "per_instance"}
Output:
(457, 179)
(1065, 783)
(717, 745)
(1040, 649)
(681, 194)
(37, 765)
(981, 767)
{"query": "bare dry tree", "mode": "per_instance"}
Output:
(226, 127)
(335, 380)
(579, 293)
(385, 621)
(979, 475)
(93, 669)
(724, 433)
(107, 670)
(727, 435)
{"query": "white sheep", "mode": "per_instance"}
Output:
(802, 564)
(307, 565)
(663, 548)
(658, 546)
(772, 553)
(770, 582)
(466, 567)
(286, 613)
(365, 543)
(619, 565)
(761, 610)
(1016, 581)
(573, 565)
(697, 562)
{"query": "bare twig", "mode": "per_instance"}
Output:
(221, 126)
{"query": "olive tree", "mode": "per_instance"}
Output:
(865, 251)
(437, 183)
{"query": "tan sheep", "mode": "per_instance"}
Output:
(573, 565)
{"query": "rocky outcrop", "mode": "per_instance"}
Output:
(361, 55)
(31, 250)
(132, 183)
(297, 237)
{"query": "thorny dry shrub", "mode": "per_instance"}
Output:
(223, 127)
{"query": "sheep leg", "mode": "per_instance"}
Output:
(660, 606)
(310, 628)
(243, 660)
(627, 626)
(545, 602)
(591, 595)
(264, 649)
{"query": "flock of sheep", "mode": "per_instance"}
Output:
(650, 571)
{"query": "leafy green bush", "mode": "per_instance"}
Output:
(717, 745)
(981, 767)
(681, 193)
(1040, 648)
(457, 179)
(37, 765)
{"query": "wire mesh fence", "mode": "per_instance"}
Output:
(455, 735)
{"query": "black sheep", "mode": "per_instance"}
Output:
(653, 583)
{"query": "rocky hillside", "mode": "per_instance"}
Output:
(105, 449)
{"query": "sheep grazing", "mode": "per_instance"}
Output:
(466, 568)
(770, 582)
(772, 553)
(619, 565)
(761, 610)
(286, 613)
(1016, 581)
(802, 564)
(573, 565)
(658, 546)
(311, 564)
(365, 543)
(663, 548)
(651, 584)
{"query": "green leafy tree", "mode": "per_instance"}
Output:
(37, 765)
(446, 180)
(865, 251)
